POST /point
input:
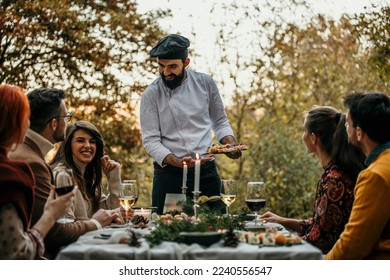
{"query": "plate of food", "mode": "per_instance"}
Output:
(225, 148)
(262, 226)
(269, 238)
(117, 225)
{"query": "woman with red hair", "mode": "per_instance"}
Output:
(17, 239)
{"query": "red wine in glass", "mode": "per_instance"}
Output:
(255, 205)
(64, 182)
(255, 197)
(64, 190)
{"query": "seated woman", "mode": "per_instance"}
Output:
(17, 239)
(82, 150)
(325, 136)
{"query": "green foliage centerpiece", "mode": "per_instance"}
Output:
(169, 226)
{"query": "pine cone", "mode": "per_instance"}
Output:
(133, 240)
(137, 220)
(231, 239)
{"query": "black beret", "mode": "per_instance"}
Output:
(171, 47)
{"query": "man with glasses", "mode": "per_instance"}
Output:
(48, 120)
(67, 118)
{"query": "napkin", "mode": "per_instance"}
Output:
(115, 237)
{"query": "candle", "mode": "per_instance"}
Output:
(146, 213)
(197, 173)
(184, 175)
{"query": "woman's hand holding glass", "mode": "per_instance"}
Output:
(64, 183)
(57, 207)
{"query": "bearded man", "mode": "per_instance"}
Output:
(178, 111)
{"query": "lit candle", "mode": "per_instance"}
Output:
(184, 174)
(146, 213)
(197, 173)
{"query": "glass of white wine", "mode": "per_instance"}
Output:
(228, 193)
(135, 188)
(128, 196)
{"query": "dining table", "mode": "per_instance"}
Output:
(107, 244)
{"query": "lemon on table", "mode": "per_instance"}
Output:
(203, 199)
(214, 197)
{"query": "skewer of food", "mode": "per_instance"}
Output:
(226, 148)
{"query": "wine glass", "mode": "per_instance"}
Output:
(255, 197)
(128, 196)
(64, 182)
(228, 193)
(135, 188)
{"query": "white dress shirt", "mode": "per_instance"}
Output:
(180, 121)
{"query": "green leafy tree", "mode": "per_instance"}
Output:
(97, 51)
(270, 70)
(294, 67)
(374, 29)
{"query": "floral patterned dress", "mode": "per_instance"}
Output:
(332, 207)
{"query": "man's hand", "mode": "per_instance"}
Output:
(234, 154)
(229, 139)
(173, 160)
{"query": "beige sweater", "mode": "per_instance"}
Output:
(81, 208)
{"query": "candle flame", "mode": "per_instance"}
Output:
(184, 163)
(197, 156)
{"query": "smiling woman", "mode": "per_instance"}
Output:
(83, 146)
(83, 151)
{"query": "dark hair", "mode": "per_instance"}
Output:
(322, 121)
(44, 104)
(89, 185)
(329, 126)
(371, 112)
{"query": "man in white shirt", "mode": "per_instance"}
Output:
(178, 111)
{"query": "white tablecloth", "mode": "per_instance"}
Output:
(89, 248)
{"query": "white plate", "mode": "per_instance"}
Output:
(251, 226)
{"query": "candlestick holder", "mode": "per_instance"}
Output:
(184, 189)
(196, 205)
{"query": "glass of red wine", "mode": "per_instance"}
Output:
(255, 197)
(64, 182)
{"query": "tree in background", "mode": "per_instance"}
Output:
(294, 66)
(374, 30)
(97, 51)
(269, 69)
